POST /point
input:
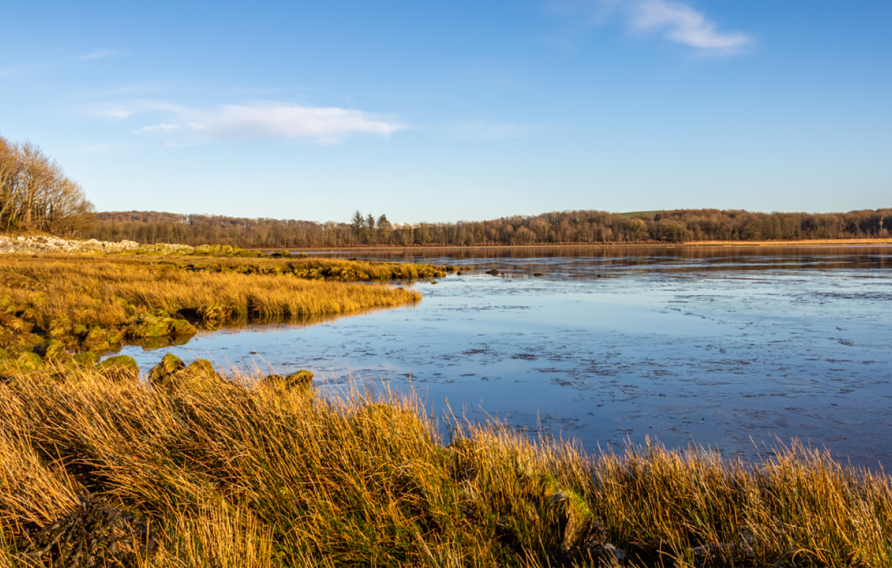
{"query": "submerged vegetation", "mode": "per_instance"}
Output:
(555, 228)
(70, 309)
(198, 469)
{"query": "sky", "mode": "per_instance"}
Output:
(461, 110)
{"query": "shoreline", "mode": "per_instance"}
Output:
(813, 243)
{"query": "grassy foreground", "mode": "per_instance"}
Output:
(70, 308)
(203, 470)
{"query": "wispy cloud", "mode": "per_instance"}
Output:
(674, 21)
(163, 127)
(120, 111)
(98, 54)
(261, 120)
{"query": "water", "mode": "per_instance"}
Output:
(732, 348)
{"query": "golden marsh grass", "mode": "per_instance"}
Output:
(51, 305)
(235, 472)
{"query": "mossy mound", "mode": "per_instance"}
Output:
(86, 358)
(24, 363)
(159, 326)
(301, 380)
(50, 348)
(15, 324)
(225, 250)
(575, 525)
(202, 369)
(164, 373)
(119, 368)
(201, 366)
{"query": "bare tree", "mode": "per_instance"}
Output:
(35, 194)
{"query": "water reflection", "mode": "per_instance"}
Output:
(726, 347)
(585, 262)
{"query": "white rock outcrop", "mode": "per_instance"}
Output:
(46, 243)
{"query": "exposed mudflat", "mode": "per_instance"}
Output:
(727, 348)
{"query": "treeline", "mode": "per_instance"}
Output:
(565, 227)
(36, 195)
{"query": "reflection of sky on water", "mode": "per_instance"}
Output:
(716, 348)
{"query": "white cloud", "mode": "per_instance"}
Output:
(110, 111)
(683, 24)
(98, 54)
(158, 128)
(266, 120)
(675, 21)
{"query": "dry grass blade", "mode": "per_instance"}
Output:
(237, 471)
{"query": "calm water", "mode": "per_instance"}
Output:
(728, 348)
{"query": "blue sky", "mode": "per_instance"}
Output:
(446, 111)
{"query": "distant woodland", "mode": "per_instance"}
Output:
(566, 227)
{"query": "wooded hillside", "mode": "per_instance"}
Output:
(565, 227)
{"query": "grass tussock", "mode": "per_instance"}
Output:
(52, 307)
(237, 471)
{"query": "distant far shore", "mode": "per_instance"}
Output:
(823, 243)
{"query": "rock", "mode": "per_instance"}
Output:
(538, 274)
(494, 272)
(48, 243)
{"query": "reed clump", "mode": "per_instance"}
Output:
(58, 307)
(234, 470)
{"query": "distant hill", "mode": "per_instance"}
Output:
(559, 227)
(642, 213)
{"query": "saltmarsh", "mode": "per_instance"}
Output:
(236, 471)
(186, 467)
(75, 307)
